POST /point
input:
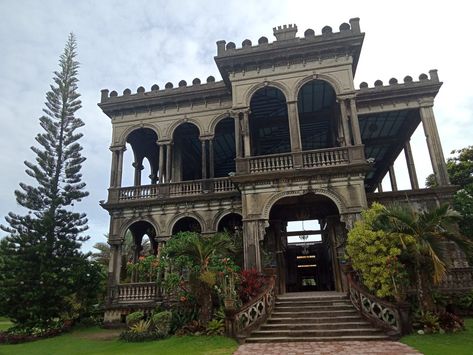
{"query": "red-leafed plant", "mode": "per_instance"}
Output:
(251, 284)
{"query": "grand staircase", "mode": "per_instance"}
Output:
(314, 316)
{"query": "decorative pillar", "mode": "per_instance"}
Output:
(246, 133)
(161, 163)
(433, 143)
(236, 118)
(168, 162)
(204, 159)
(253, 234)
(114, 264)
(211, 159)
(117, 165)
(294, 128)
(411, 168)
(392, 177)
(355, 126)
(344, 119)
(138, 167)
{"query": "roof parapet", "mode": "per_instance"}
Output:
(378, 84)
(288, 33)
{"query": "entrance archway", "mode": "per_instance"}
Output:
(303, 236)
(187, 224)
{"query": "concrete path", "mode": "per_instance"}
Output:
(325, 348)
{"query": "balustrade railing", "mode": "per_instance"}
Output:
(268, 163)
(391, 317)
(326, 157)
(175, 189)
(458, 279)
(239, 323)
(136, 292)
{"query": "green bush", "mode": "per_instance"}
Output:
(215, 327)
(142, 326)
(162, 323)
(134, 317)
(133, 337)
(375, 254)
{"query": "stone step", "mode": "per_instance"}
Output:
(314, 320)
(328, 313)
(312, 308)
(275, 339)
(312, 303)
(356, 324)
(311, 299)
(316, 333)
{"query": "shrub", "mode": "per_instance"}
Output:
(194, 327)
(134, 317)
(215, 327)
(142, 326)
(133, 337)
(429, 322)
(162, 322)
(376, 255)
(251, 284)
(450, 322)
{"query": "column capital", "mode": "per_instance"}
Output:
(164, 141)
(346, 96)
(117, 148)
(236, 111)
(206, 137)
(426, 102)
(138, 166)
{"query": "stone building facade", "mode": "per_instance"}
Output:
(284, 136)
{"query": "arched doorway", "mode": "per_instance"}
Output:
(269, 124)
(232, 224)
(186, 224)
(319, 118)
(303, 236)
(187, 153)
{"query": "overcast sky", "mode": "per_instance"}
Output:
(127, 44)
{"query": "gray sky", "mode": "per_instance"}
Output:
(127, 44)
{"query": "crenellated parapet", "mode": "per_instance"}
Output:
(427, 86)
(288, 49)
(286, 35)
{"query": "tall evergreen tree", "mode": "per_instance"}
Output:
(41, 255)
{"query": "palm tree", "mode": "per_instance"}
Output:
(427, 231)
(200, 250)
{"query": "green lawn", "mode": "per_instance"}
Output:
(5, 323)
(102, 341)
(440, 344)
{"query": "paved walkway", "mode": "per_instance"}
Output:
(325, 348)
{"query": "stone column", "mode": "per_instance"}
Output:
(433, 143)
(138, 167)
(236, 118)
(355, 126)
(253, 233)
(246, 133)
(117, 165)
(211, 159)
(294, 127)
(411, 168)
(168, 162)
(204, 159)
(161, 163)
(392, 177)
(344, 119)
(380, 186)
(115, 262)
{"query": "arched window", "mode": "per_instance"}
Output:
(224, 147)
(187, 153)
(143, 147)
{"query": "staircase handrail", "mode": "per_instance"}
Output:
(240, 322)
(392, 317)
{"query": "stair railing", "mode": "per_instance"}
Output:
(393, 318)
(239, 323)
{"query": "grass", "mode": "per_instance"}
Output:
(460, 343)
(5, 323)
(101, 341)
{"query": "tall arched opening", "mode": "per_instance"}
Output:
(319, 121)
(187, 153)
(224, 148)
(269, 124)
(144, 158)
(303, 239)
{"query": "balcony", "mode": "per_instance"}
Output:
(312, 159)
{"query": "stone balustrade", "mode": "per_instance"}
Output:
(140, 292)
(457, 280)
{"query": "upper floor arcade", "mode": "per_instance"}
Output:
(283, 108)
